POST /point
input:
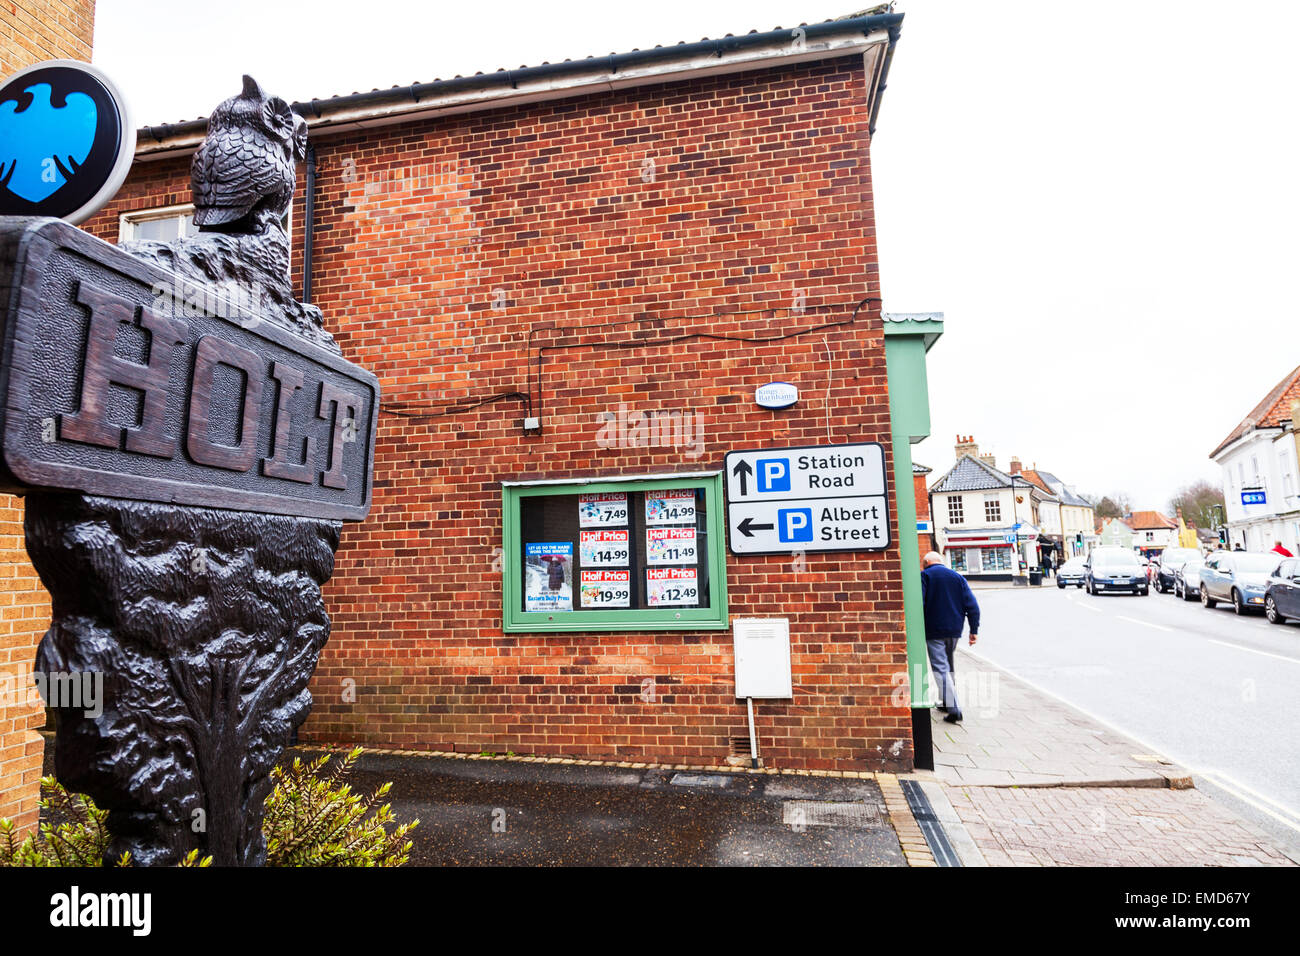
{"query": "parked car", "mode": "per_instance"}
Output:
(1282, 597)
(1071, 572)
(1171, 559)
(1115, 569)
(1187, 579)
(1237, 576)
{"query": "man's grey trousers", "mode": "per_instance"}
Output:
(943, 663)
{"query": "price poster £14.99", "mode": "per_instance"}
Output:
(604, 548)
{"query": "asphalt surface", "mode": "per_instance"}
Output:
(1217, 693)
(483, 813)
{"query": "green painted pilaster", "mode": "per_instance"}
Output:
(908, 337)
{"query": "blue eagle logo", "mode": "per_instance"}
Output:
(42, 145)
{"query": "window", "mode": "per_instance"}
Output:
(647, 554)
(1288, 480)
(169, 222)
(992, 508)
(955, 510)
(996, 559)
(160, 225)
(959, 559)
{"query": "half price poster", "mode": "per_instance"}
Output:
(670, 545)
(604, 548)
(670, 507)
(606, 588)
(606, 510)
(666, 587)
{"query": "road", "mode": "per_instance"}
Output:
(1216, 693)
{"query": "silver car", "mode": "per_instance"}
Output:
(1187, 579)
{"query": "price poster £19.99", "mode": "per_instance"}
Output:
(606, 588)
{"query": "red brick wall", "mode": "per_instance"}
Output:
(36, 30)
(922, 495)
(30, 31)
(440, 245)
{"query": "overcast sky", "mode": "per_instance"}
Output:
(1103, 199)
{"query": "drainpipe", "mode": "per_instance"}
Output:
(309, 227)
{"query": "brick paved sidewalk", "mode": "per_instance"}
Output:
(1107, 826)
(1033, 782)
(1013, 735)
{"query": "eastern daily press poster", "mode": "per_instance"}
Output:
(607, 587)
(548, 576)
(608, 548)
(672, 586)
(670, 546)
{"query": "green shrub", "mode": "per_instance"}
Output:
(74, 835)
(312, 819)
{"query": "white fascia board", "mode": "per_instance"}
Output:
(1245, 440)
(363, 117)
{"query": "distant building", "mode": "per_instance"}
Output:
(1260, 459)
(987, 521)
(1078, 519)
(1152, 531)
(924, 524)
(1115, 533)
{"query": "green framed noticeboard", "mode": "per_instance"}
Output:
(614, 554)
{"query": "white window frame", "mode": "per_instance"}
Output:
(127, 221)
(957, 514)
(993, 507)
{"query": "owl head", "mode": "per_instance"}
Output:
(243, 173)
(254, 109)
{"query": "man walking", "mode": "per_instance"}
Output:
(948, 602)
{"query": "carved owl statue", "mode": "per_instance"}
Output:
(243, 175)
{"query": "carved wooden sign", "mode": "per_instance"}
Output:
(117, 380)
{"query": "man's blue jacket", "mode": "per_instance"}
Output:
(947, 600)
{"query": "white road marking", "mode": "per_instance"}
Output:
(1274, 809)
(1150, 748)
(1281, 657)
(1133, 620)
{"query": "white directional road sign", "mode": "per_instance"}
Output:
(815, 498)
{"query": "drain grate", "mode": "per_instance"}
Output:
(824, 813)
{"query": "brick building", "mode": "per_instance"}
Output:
(31, 31)
(570, 279)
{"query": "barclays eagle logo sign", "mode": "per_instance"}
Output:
(65, 142)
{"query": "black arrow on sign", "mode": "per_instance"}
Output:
(743, 470)
(745, 527)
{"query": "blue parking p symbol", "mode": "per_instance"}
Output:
(794, 524)
(773, 474)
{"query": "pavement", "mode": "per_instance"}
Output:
(1027, 780)
(538, 812)
(1035, 740)
(1213, 692)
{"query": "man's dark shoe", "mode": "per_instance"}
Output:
(942, 708)
(952, 719)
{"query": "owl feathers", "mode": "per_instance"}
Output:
(243, 174)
